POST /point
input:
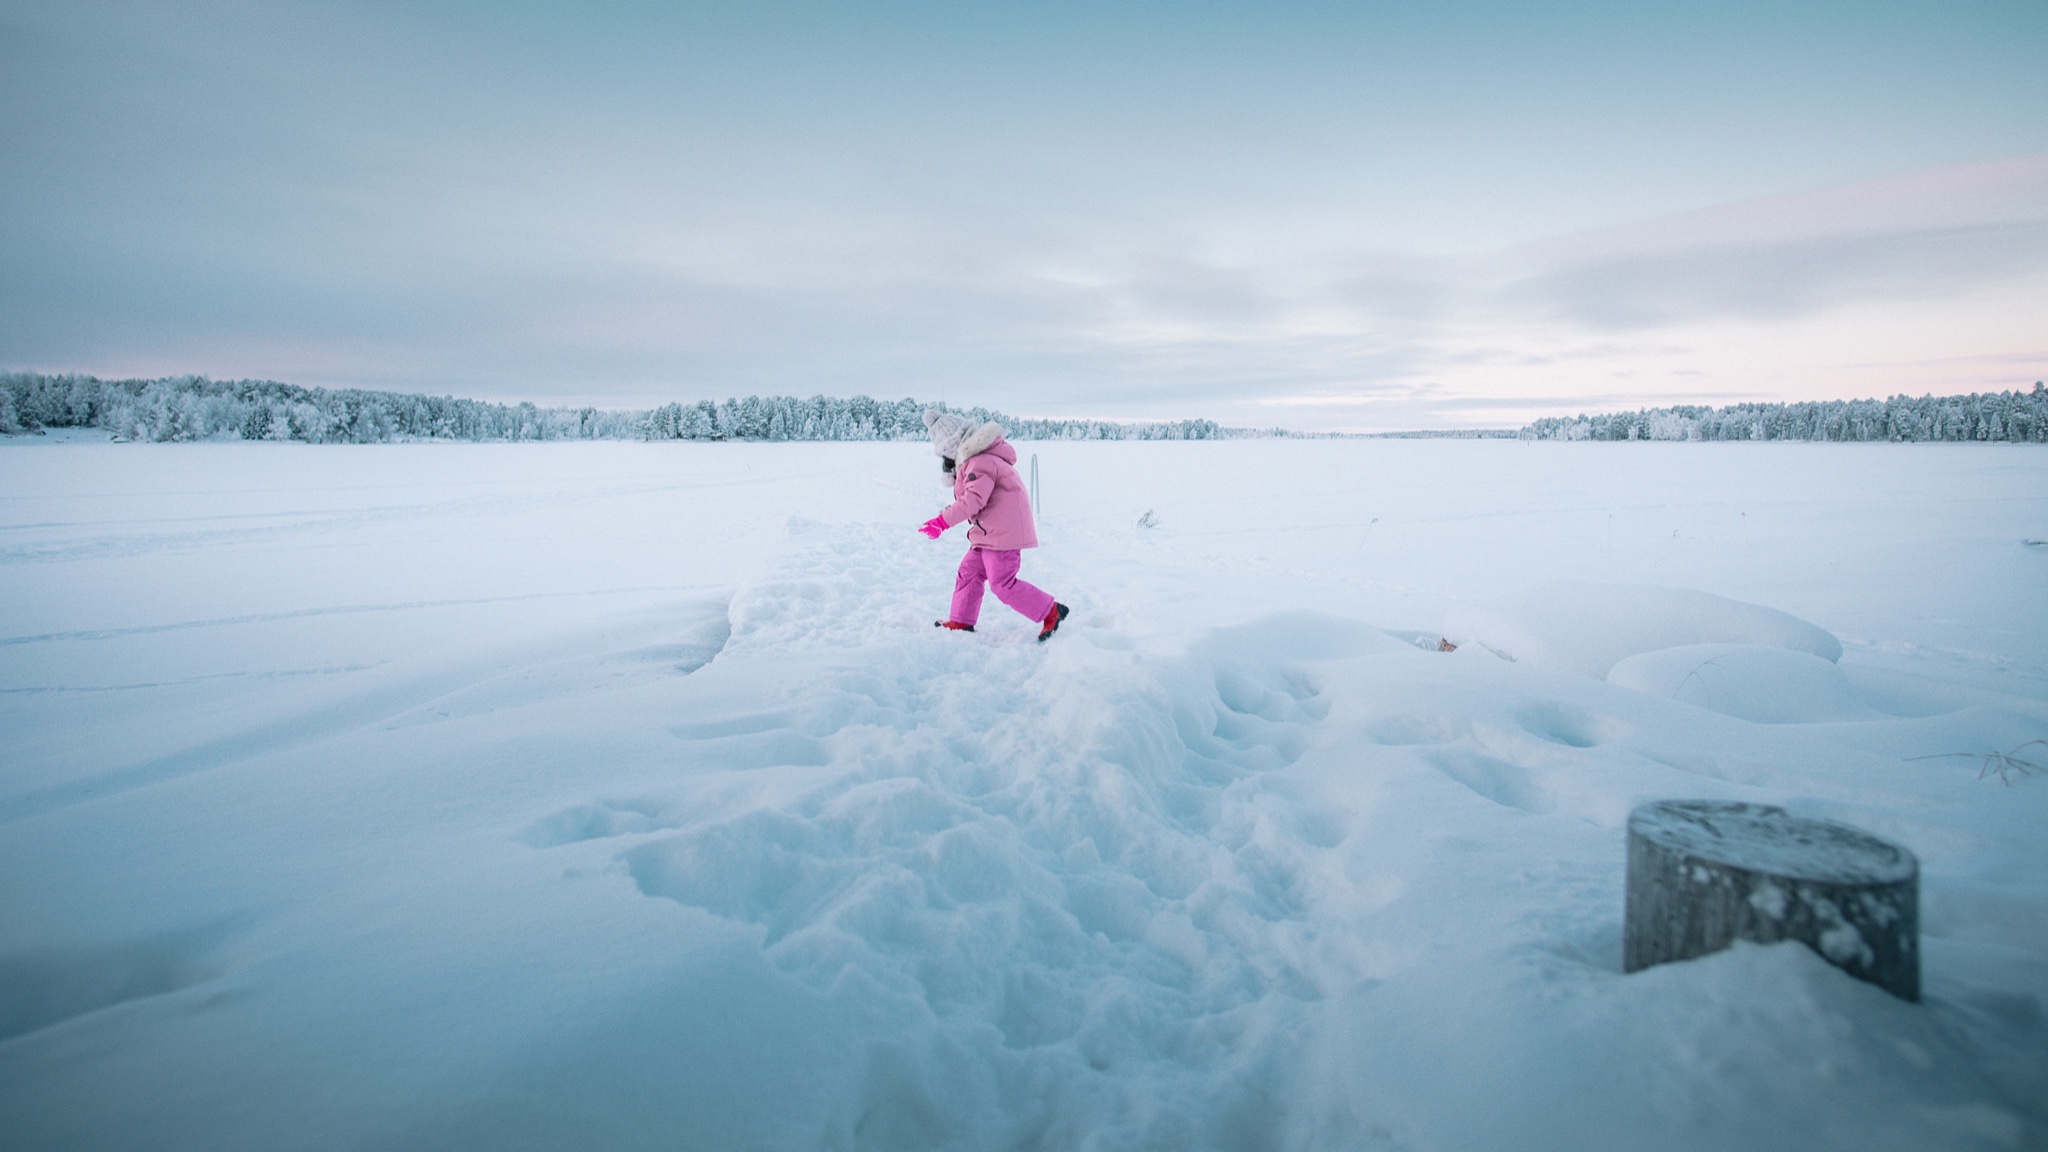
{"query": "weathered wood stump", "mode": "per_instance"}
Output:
(1703, 874)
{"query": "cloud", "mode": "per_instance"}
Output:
(1783, 280)
(2007, 191)
(1923, 235)
(1919, 282)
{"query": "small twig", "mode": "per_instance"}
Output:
(1695, 675)
(1996, 763)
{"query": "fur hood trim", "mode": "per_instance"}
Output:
(976, 442)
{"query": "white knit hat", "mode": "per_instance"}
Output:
(947, 429)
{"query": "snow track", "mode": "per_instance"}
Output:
(1063, 871)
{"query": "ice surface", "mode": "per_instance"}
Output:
(1767, 685)
(622, 796)
(1586, 628)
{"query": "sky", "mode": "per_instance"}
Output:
(1322, 216)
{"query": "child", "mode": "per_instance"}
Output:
(986, 492)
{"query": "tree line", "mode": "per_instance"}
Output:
(2020, 417)
(861, 418)
(198, 408)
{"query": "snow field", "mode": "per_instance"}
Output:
(623, 796)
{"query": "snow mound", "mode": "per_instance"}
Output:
(1749, 681)
(1585, 629)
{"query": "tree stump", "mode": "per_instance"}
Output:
(1703, 874)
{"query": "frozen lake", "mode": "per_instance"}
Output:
(621, 795)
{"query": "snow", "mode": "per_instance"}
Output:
(1762, 838)
(622, 796)
(1587, 628)
(1750, 681)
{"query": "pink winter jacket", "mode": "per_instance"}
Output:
(986, 491)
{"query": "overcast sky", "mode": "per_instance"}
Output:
(1324, 216)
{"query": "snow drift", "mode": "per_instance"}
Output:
(1767, 685)
(1584, 629)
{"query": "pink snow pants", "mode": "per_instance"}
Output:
(999, 570)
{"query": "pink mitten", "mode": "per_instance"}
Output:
(933, 527)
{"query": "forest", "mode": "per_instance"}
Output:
(1989, 416)
(198, 408)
